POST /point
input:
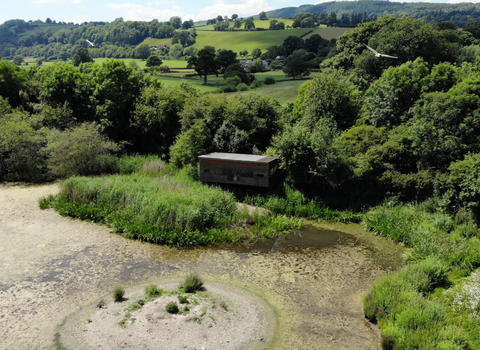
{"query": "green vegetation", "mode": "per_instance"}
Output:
(152, 291)
(413, 304)
(238, 41)
(118, 293)
(172, 308)
(193, 283)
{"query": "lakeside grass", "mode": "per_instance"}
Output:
(153, 202)
(430, 303)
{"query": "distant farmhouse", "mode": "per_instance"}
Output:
(239, 169)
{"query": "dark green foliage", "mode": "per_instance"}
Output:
(118, 293)
(329, 95)
(12, 81)
(81, 56)
(269, 81)
(154, 61)
(172, 308)
(296, 65)
(193, 283)
(465, 177)
(204, 62)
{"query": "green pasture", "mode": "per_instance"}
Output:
(142, 63)
(239, 40)
(213, 82)
(258, 24)
(156, 42)
(328, 32)
(282, 91)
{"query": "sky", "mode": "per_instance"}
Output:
(79, 11)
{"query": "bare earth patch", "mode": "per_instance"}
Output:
(222, 317)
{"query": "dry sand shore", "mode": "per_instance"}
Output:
(53, 267)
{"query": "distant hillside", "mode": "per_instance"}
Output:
(459, 14)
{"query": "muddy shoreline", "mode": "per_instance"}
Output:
(52, 267)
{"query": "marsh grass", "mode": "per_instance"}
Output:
(423, 305)
(118, 294)
(192, 284)
(171, 210)
(292, 202)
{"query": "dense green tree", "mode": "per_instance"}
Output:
(256, 53)
(176, 22)
(187, 24)
(154, 61)
(117, 88)
(12, 80)
(156, 117)
(249, 24)
(176, 51)
(292, 43)
(474, 28)
(329, 95)
(446, 125)
(142, 51)
(389, 98)
(21, 149)
(237, 70)
(314, 43)
(263, 16)
(273, 52)
(296, 65)
(18, 60)
(185, 37)
(189, 145)
(310, 156)
(225, 58)
(204, 63)
(465, 177)
(81, 56)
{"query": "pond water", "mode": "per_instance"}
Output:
(313, 280)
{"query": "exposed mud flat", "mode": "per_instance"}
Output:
(53, 267)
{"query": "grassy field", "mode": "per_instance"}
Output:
(142, 63)
(213, 82)
(283, 91)
(258, 24)
(328, 32)
(238, 41)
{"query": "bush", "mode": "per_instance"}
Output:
(192, 283)
(172, 308)
(152, 291)
(255, 84)
(182, 299)
(269, 81)
(79, 151)
(242, 87)
(118, 293)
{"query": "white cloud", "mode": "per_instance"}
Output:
(143, 13)
(77, 1)
(228, 7)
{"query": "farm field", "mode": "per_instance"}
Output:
(328, 32)
(258, 24)
(142, 63)
(283, 91)
(239, 40)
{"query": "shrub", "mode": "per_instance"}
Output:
(152, 291)
(78, 151)
(192, 283)
(118, 293)
(255, 84)
(269, 81)
(242, 87)
(182, 299)
(172, 308)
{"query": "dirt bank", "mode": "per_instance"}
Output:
(52, 267)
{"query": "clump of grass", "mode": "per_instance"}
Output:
(182, 299)
(152, 291)
(172, 308)
(118, 294)
(193, 283)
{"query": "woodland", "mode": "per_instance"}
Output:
(390, 142)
